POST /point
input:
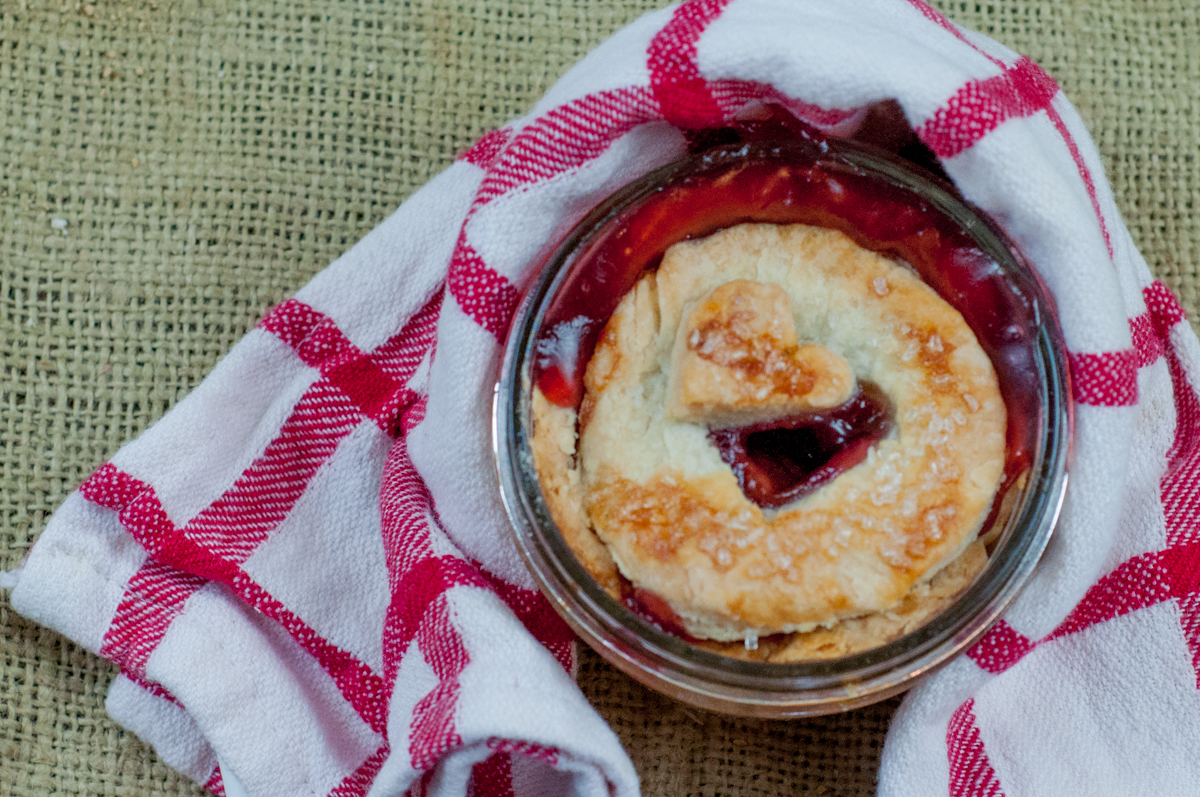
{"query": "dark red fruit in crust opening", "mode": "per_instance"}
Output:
(779, 461)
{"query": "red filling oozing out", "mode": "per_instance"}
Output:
(802, 184)
(779, 461)
(653, 608)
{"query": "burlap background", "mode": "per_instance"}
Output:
(209, 156)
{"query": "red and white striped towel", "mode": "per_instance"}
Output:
(304, 571)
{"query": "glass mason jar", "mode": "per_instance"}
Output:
(1000, 296)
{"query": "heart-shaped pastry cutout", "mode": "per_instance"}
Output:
(737, 361)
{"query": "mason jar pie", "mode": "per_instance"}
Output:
(782, 426)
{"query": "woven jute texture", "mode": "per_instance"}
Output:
(209, 156)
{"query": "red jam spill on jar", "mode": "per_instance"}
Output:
(779, 461)
(808, 184)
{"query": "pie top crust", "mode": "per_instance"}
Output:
(757, 322)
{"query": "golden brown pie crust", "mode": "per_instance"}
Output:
(641, 490)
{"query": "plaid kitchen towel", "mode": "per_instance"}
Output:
(304, 571)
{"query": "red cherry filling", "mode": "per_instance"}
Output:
(779, 461)
(654, 609)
